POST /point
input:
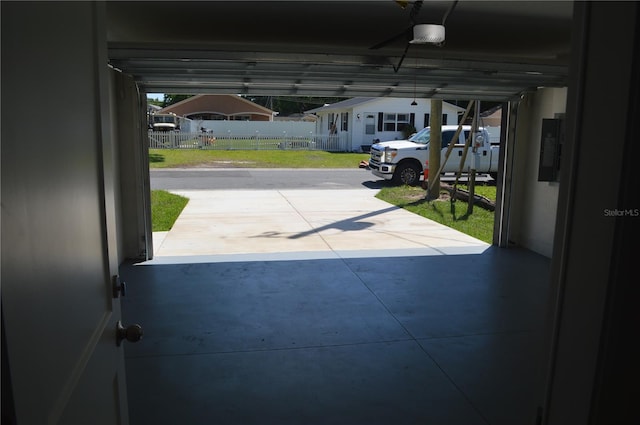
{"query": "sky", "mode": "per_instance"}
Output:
(158, 96)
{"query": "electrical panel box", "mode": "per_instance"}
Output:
(550, 149)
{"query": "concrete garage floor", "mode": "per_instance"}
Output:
(342, 333)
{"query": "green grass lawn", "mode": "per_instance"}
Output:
(483, 190)
(167, 158)
(454, 215)
(165, 209)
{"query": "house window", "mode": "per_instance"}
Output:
(395, 122)
(332, 124)
(370, 124)
(344, 126)
(427, 119)
(202, 116)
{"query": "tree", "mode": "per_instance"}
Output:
(287, 105)
(170, 99)
(156, 102)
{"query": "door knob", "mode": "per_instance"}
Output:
(132, 333)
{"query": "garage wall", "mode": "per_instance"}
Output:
(535, 203)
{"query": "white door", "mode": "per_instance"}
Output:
(58, 217)
(453, 163)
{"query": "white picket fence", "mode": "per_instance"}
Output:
(178, 140)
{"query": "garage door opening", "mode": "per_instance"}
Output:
(323, 223)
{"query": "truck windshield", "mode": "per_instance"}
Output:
(163, 118)
(422, 136)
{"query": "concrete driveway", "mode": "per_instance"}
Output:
(247, 225)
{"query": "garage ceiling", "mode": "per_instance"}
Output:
(494, 50)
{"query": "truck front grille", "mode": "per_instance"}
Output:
(376, 156)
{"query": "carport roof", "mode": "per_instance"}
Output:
(495, 50)
(348, 103)
(356, 101)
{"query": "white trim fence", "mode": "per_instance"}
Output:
(179, 140)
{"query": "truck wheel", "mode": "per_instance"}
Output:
(408, 174)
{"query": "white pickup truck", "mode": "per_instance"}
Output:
(403, 161)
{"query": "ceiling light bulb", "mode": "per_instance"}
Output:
(427, 34)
